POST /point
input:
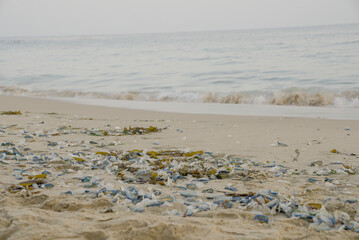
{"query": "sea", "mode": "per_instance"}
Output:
(309, 68)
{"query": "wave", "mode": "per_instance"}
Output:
(291, 97)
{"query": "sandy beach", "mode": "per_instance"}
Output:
(71, 171)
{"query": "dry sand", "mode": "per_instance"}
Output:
(49, 214)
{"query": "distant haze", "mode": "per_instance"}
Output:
(78, 17)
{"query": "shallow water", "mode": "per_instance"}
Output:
(327, 112)
(308, 66)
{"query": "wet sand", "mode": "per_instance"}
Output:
(304, 168)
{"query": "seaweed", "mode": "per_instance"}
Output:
(80, 160)
(126, 131)
(139, 130)
(11, 113)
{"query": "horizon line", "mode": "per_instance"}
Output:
(169, 32)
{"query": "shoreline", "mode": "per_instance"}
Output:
(250, 110)
(74, 142)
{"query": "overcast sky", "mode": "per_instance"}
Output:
(77, 17)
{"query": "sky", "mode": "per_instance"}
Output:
(88, 17)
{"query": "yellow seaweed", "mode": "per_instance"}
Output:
(11, 113)
(152, 129)
(103, 153)
(14, 188)
(316, 206)
(139, 130)
(135, 150)
(167, 199)
(346, 166)
(153, 154)
(211, 172)
(79, 159)
(26, 184)
(190, 154)
(39, 176)
(172, 153)
(153, 175)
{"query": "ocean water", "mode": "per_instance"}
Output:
(306, 66)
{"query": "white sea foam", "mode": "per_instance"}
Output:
(345, 102)
(285, 97)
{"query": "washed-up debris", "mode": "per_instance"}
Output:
(261, 218)
(347, 154)
(231, 189)
(29, 185)
(7, 144)
(52, 144)
(316, 163)
(167, 199)
(126, 131)
(312, 180)
(11, 113)
(49, 185)
(154, 204)
(39, 176)
(316, 206)
(282, 144)
(296, 156)
(65, 130)
(139, 130)
(189, 193)
(279, 144)
(195, 169)
(168, 181)
(209, 190)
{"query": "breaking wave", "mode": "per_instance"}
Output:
(289, 97)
